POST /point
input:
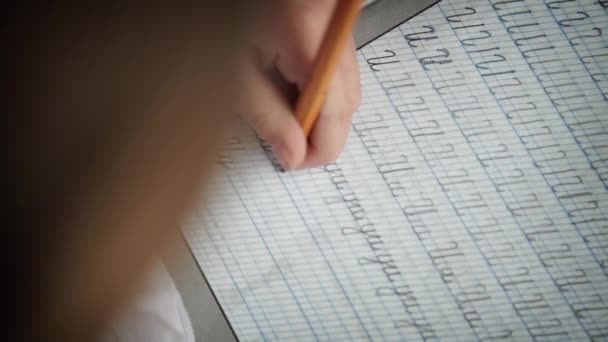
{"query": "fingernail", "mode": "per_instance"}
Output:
(282, 153)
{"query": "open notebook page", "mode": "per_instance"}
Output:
(470, 202)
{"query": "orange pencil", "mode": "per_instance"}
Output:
(332, 47)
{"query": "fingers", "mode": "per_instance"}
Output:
(290, 49)
(330, 133)
(304, 24)
(264, 106)
(307, 27)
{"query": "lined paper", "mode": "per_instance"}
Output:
(469, 204)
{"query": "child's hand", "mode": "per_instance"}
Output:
(278, 62)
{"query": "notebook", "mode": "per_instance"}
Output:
(470, 203)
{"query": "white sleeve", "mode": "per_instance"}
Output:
(157, 314)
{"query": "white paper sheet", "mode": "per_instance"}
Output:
(470, 203)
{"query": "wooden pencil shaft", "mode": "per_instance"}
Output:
(332, 47)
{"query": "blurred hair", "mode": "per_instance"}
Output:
(113, 115)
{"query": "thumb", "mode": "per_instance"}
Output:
(265, 107)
